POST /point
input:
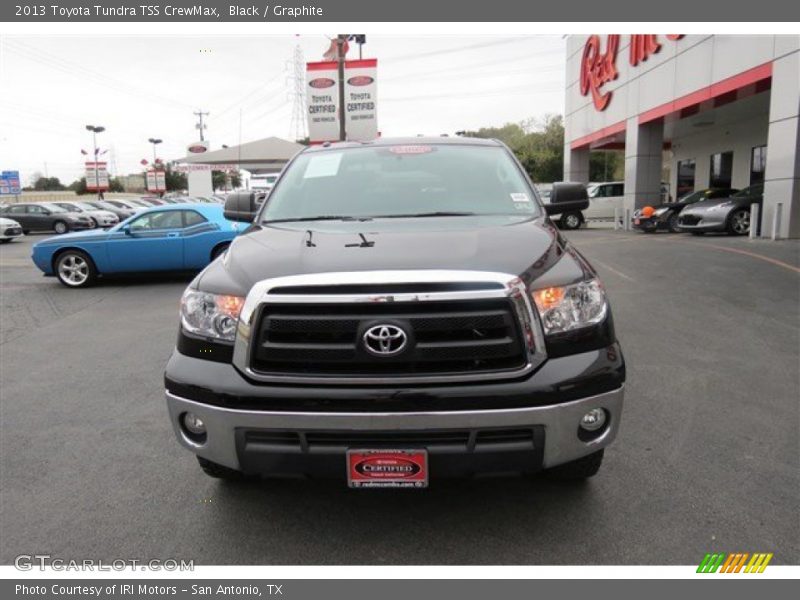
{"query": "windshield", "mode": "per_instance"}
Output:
(68, 207)
(753, 190)
(55, 208)
(693, 197)
(398, 181)
(84, 205)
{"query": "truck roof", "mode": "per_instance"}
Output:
(406, 141)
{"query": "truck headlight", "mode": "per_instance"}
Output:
(210, 315)
(571, 306)
(660, 211)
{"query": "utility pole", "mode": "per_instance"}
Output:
(341, 40)
(200, 114)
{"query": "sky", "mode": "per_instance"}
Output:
(139, 87)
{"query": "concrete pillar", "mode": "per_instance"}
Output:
(200, 183)
(643, 148)
(576, 164)
(782, 175)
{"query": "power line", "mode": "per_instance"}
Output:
(74, 70)
(466, 48)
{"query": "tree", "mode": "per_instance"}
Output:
(606, 165)
(222, 179)
(115, 185)
(539, 146)
(175, 181)
(48, 184)
(79, 186)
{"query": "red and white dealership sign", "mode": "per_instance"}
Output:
(156, 181)
(360, 100)
(322, 101)
(96, 176)
(599, 66)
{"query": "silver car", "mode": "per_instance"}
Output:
(101, 218)
(9, 230)
(731, 214)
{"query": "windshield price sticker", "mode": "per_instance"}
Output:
(520, 197)
(416, 149)
(323, 165)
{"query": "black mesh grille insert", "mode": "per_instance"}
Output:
(443, 337)
(466, 438)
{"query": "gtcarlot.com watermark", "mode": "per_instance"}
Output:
(42, 562)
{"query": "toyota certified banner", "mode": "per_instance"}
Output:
(96, 176)
(322, 101)
(156, 181)
(361, 99)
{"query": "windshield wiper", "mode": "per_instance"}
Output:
(318, 218)
(427, 214)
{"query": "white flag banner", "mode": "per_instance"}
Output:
(322, 101)
(156, 181)
(361, 99)
(96, 176)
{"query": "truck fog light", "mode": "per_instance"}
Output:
(594, 419)
(194, 424)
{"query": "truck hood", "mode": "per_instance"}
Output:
(521, 246)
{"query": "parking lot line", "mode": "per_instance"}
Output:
(613, 270)
(768, 259)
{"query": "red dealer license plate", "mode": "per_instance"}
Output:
(387, 468)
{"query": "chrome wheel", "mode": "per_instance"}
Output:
(73, 270)
(740, 222)
(60, 227)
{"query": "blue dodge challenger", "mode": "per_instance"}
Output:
(174, 237)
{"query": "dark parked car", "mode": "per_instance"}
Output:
(398, 311)
(665, 216)
(122, 213)
(731, 214)
(46, 217)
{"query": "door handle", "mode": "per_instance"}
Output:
(173, 234)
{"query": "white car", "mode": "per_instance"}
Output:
(604, 198)
(9, 230)
(101, 218)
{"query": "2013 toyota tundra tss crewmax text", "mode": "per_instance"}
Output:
(398, 311)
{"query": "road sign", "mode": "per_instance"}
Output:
(9, 183)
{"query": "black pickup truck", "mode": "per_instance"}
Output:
(397, 311)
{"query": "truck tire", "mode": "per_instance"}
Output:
(583, 468)
(570, 220)
(212, 469)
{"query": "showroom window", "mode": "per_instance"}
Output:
(721, 170)
(758, 164)
(685, 183)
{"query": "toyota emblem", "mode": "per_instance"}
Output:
(385, 340)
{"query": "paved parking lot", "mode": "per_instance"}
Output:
(707, 458)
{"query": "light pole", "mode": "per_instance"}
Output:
(155, 142)
(95, 129)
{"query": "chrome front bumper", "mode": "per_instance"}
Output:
(560, 422)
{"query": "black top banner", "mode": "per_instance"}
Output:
(355, 11)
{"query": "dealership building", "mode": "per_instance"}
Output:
(701, 110)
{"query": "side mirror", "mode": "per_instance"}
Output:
(241, 207)
(567, 197)
(126, 229)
